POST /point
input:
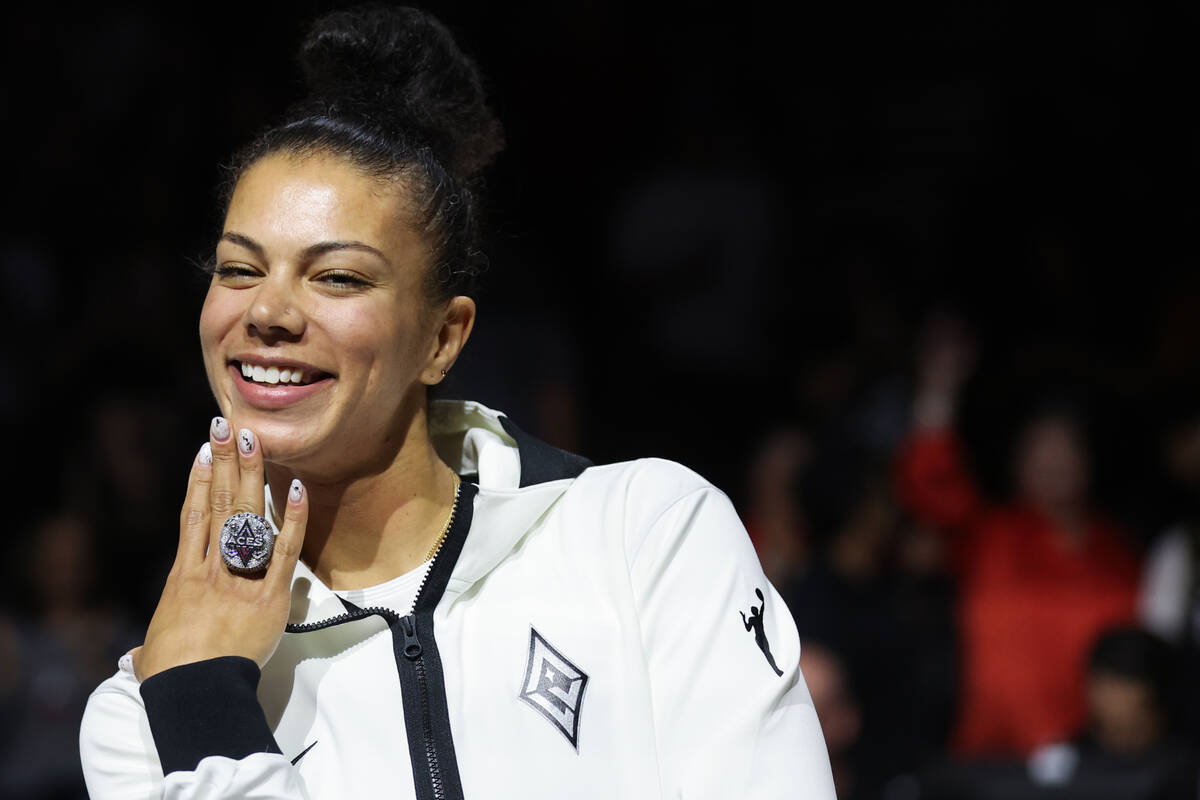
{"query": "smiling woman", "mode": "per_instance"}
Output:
(321, 272)
(375, 594)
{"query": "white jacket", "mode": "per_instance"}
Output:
(598, 635)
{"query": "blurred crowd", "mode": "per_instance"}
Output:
(916, 289)
(961, 642)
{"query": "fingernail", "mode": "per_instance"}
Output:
(220, 429)
(245, 441)
(296, 491)
(205, 454)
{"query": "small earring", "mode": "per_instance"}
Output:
(443, 373)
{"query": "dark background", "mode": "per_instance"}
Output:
(814, 186)
(709, 221)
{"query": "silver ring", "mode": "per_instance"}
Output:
(247, 541)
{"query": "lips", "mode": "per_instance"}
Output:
(270, 383)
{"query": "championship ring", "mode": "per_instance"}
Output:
(247, 541)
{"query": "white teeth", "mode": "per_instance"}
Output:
(273, 375)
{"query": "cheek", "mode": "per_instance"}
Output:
(218, 312)
(390, 349)
(217, 317)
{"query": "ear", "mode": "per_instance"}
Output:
(453, 328)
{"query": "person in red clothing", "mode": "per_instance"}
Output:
(1039, 577)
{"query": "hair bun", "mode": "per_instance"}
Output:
(400, 71)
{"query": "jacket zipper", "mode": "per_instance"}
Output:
(413, 651)
(414, 686)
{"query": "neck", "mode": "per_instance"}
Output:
(369, 528)
(1068, 521)
(1068, 518)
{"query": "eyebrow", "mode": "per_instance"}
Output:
(309, 253)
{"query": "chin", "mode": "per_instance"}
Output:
(287, 449)
(282, 441)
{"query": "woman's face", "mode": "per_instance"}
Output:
(1052, 465)
(318, 294)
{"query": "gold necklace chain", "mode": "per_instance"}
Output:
(437, 545)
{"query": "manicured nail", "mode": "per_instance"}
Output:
(205, 454)
(220, 429)
(297, 491)
(245, 441)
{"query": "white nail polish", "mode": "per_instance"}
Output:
(220, 429)
(246, 441)
(296, 491)
(205, 455)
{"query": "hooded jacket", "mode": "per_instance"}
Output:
(585, 631)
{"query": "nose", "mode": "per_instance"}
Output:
(274, 312)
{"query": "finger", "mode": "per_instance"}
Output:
(250, 484)
(225, 468)
(291, 537)
(194, 518)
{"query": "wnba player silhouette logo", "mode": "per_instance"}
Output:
(755, 623)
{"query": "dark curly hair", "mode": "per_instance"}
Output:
(391, 92)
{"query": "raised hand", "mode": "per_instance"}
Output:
(946, 355)
(205, 610)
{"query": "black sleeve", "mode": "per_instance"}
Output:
(208, 708)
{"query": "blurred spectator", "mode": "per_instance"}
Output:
(1039, 576)
(59, 652)
(774, 517)
(1129, 673)
(891, 627)
(836, 707)
(1124, 751)
(1169, 603)
(126, 470)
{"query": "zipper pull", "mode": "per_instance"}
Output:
(412, 645)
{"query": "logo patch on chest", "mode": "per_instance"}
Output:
(554, 687)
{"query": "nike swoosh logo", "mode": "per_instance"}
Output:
(303, 753)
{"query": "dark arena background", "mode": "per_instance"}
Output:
(893, 277)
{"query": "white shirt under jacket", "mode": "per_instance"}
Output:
(637, 574)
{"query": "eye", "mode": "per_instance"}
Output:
(236, 273)
(343, 279)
